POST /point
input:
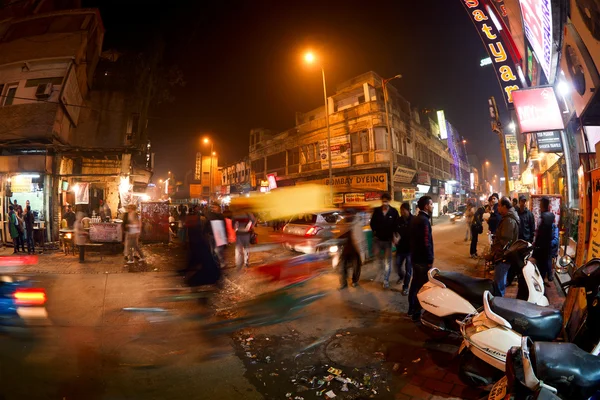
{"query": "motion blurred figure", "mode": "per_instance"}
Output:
(353, 253)
(133, 227)
(243, 224)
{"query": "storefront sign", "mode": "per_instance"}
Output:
(340, 152)
(594, 247)
(423, 178)
(537, 21)
(549, 142)
(106, 232)
(338, 198)
(358, 182)
(488, 25)
(404, 175)
(371, 196)
(537, 110)
(20, 184)
(583, 180)
(515, 171)
(272, 181)
(408, 194)
(354, 198)
(513, 149)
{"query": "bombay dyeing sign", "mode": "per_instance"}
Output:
(537, 21)
(486, 21)
(358, 182)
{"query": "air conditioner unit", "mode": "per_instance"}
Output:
(43, 91)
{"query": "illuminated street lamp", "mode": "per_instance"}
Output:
(310, 58)
(210, 175)
(384, 83)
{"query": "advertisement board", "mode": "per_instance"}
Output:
(340, 152)
(537, 21)
(537, 110)
(354, 198)
(513, 149)
(404, 175)
(106, 232)
(583, 180)
(549, 142)
(442, 124)
(358, 182)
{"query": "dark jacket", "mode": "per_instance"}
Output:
(384, 226)
(478, 218)
(29, 220)
(546, 241)
(507, 232)
(527, 225)
(404, 229)
(421, 239)
(494, 219)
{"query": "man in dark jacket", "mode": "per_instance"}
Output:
(546, 242)
(476, 229)
(384, 223)
(527, 222)
(495, 216)
(421, 253)
(507, 232)
(403, 247)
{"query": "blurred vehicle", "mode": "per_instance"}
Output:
(459, 214)
(305, 233)
(21, 304)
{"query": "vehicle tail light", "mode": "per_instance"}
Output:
(312, 231)
(30, 297)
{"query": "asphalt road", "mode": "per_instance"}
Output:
(94, 349)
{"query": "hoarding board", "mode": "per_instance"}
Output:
(537, 110)
(340, 152)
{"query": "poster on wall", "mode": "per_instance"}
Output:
(155, 222)
(555, 202)
(340, 152)
(82, 193)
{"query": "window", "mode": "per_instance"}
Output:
(276, 161)
(361, 99)
(9, 96)
(294, 156)
(381, 138)
(360, 142)
(258, 165)
(310, 153)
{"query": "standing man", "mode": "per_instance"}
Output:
(476, 229)
(527, 222)
(384, 223)
(546, 241)
(243, 223)
(70, 217)
(421, 252)
(29, 220)
(495, 216)
(507, 232)
(104, 211)
(469, 212)
(403, 247)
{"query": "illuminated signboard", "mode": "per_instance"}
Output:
(549, 142)
(537, 110)
(442, 124)
(537, 21)
(488, 26)
(512, 147)
(272, 181)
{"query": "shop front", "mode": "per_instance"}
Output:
(355, 188)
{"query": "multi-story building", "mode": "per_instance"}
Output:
(237, 176)
(360, 155)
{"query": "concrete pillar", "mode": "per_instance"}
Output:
(366, 91)
(330, 105)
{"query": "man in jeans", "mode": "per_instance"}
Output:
(403, 247)
(507, 233)
(384, 223)
(421, 251)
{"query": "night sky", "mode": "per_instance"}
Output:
(242, 62)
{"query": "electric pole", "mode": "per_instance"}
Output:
(497, 129)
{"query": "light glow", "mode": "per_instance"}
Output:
(309, 57)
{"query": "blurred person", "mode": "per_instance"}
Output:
(69, 217)
(243, 224)
(29, 220)
(469, 212)
(21, 228)
(506, 234)
(216, 231)
(403, 260)
(80, 235)
(546, 240)
(384, 224)
(104, 211)
(353, 253)
(421, 252)
(476, 230)
(181, 224)
(13, 223)
(202, 268)
(515, 203)
(526, 221)
(133, 227)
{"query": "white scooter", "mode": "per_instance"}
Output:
(449, 297)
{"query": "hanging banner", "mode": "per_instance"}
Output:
(340, 152)
(499, 48)
(82, 193)
(513, 149)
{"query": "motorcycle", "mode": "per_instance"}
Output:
(488, 335)
(448, 297)
(555, 370)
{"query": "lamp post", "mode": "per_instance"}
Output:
(210, 174)
(384, 83)
(310, 58)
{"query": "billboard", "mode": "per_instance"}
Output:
(512, 147)
(537, 21)
(537, 110)
(442, 124)
(340, 152)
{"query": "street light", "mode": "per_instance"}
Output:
(384, 83)
(310, 58)
(210, 175)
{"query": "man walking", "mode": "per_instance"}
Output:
(527, 222)
(546, 241)
(421, 252)
(507, 232)
(403, 261)
(353, 253)
(384, 223)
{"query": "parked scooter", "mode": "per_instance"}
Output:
(488, 335)
(449, 297)
(561, 370)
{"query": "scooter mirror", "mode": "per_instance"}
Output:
(563, 264)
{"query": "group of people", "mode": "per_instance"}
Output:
(21, 227)
(509, 221)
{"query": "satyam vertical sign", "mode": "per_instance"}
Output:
(594, 247)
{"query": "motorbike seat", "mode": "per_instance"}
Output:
(564, 366)
(537, 322)
(471, 289)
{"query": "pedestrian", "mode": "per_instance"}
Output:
(469, 212)
(69, 217)
(515, 203)
(202, 268)
(526, 221)
(384, 224)
(495, 216)
(216, 232)
(421, 253)
(353, 253)
(181, 224)
(243, 224)
(29, 220)
(133, 227)
(403, 259)
(445, 209)
(13, 228)
(80, 235)
(21, 228)
(476, 230)
(546, 240)
(506, 234)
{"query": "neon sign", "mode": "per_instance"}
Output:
(489, 26)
